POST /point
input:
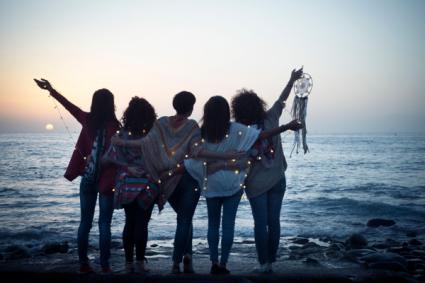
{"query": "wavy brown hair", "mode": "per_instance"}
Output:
(216, 119)
(139, 115)
(248, 108)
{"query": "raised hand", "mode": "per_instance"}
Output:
(296, 74)
(295, 125)
(44, 84)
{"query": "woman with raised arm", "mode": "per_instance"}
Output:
(266, 183)
(135, 191)
(98, 126)
(223, 189)
(170, 141)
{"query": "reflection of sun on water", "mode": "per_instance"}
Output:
(49, 127)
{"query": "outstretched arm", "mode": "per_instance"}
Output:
(73, 109)
(294, 125)
(214, 155)
(278, 106)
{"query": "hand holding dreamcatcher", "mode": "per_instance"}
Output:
(302, 89)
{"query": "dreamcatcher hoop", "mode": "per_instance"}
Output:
(303, 86)
(302, 89)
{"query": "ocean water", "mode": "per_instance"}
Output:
(331, 192)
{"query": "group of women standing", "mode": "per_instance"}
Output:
(147, 161)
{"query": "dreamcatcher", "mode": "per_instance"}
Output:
(302, 89)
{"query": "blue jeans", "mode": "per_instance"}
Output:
(230, 206)
(184, 200)
(88, 197)
(266, 211)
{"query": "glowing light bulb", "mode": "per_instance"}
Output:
(159, 181)
(85, 157)
(196, 189)
(147, 187)
(205, 179)
(233, 160)
(144, 131)
(170, 173)
(236, 171)
(129, 133)
(118, 132)
(244, 187)
(186, 156)
(205, 164)
(259, 157)
(196, 144)
(205, 188)
(173, 152)
(178, 165)
(113, 189)
(240, 133)
(249, 126)
(249, 162)
(202, 140)
(227, 136)
(271, 150)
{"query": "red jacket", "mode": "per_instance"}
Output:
(84, 145)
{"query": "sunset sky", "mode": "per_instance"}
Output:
(367, 58)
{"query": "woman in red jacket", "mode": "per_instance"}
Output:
(99, 125)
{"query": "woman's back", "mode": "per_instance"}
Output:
(223, 182)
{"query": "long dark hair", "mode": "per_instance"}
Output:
(139, 116)
(102, 110)
(248, 108)
(216, 120)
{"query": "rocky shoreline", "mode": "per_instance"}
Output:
(354, 259)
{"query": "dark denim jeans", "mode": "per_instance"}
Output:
(230, 206)
(88, 197)
(184, 200)
(266, 211)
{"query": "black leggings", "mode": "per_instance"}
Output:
(135, 230)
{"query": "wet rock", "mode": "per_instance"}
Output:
(311, 261)
(356, 241)
(16, 252)
(389, 265)
(154, 245)
(336, 247)
(415, 242)
(411, 234)
(376, 222)
(56, 247)
(356, 254)
(382, 258)
(300, 241)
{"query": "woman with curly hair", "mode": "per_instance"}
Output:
(135, 191)
(266, 183)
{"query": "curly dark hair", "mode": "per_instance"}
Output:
(183, 102)
(102, 110)
(216, 119)
(248, 108)
(139, 116)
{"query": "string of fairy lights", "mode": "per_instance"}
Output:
(179, 165)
